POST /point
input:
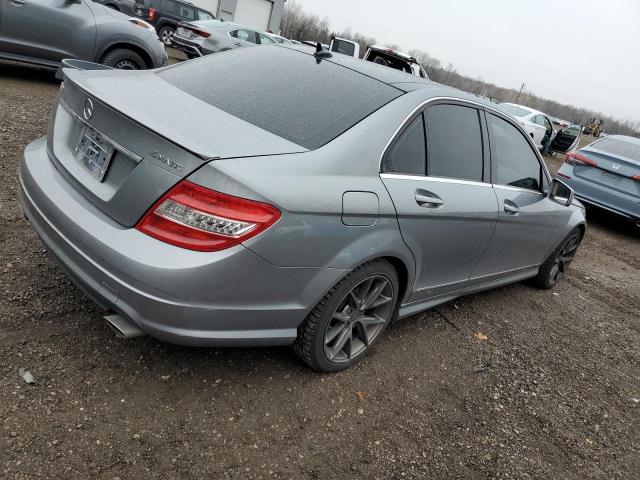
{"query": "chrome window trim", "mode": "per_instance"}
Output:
(460, 181)
(517, 189)
(137, 158)
(486, 108)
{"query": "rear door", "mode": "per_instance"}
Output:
(446, 208)
(527, 219)
(47, 30)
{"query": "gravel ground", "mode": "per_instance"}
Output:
(511, 383)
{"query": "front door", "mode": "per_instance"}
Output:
(527, 219)
(47, 30)
(566, 140)
(446, 211)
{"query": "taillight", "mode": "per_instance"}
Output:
(200, 33)
(151, 14)
(574, 158)
(197, 218)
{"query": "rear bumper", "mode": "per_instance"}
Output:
(224, 298)
(187, 47)
(601, 196)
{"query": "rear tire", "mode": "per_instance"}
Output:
(166, 34)
(344, 325)
(124, 59)
(553, 269)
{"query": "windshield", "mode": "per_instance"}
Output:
(513, 110)
(310, 105)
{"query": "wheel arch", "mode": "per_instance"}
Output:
(127, 46)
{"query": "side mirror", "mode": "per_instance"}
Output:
(561, 193)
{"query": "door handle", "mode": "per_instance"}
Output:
(428, 199)
(19, 2)
(511, 208)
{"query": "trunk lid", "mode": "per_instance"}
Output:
(153, 135)
(613, 170)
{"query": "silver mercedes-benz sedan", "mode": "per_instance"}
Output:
(282, 197)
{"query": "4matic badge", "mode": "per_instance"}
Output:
(166, 160)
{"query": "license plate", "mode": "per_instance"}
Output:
(184, 33)
(94, 152)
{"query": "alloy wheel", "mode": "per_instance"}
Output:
(563, 258)
(166, 36)
(359, 319)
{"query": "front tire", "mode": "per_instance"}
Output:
(554, 268)
(344, 325)
(123, 59)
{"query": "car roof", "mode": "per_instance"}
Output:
(528, 109)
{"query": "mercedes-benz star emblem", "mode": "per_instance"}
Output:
(88, 109)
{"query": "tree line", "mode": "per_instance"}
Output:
(301, 25)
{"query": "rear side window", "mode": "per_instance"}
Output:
(408, 154)
(539, 120)
(168, 6)
(514, 162)
(346, 48)
(454, 142)
(283, 91)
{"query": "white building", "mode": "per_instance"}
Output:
(259, 14)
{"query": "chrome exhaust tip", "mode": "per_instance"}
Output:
(123, 328)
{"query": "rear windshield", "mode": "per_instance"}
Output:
(341, 46)
(283, 91)
(513, 110)
(619, 147)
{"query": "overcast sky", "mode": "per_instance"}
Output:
(580, 52)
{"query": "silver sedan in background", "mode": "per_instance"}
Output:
(211, 36)
(308, 209)
(606, 174)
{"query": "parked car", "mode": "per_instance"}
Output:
(344, 46)
(606, 174)
(124, 6)
(392, 58)
(310, 216)
(47, 31)
(211, 36)
(165, 15)
(539, 126)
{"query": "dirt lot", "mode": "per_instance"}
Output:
(553, 392)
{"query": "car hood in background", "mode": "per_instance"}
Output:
(192, 124)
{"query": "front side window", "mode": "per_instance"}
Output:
(454, 142)
(514, 162)
(264, 40)
(408, 154)
(203, 15)
(246, 35)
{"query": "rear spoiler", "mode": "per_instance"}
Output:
(76, 64)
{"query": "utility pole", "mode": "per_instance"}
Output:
(520, 92)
